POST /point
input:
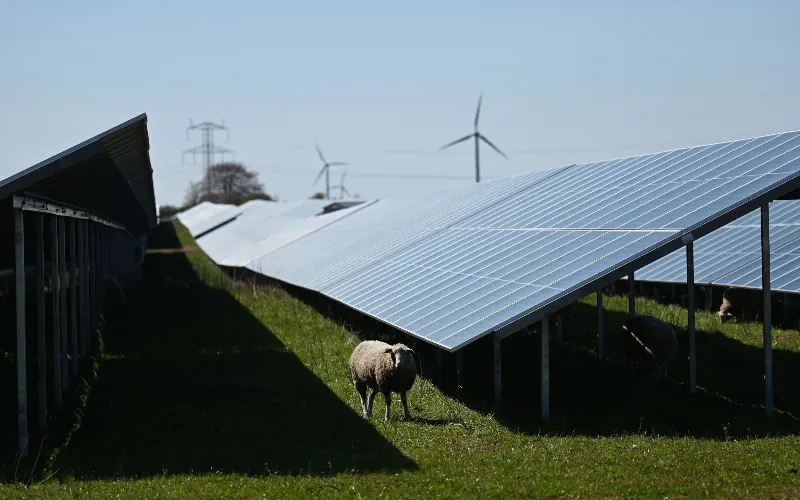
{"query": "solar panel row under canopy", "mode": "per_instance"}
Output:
(731, 256)
(451, 266)
(548, 239)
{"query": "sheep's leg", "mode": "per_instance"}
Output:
(362, 391)
(370, 400)
(405, 405)
(388, 397)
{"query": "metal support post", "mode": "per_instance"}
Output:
(82, 293)
(766, 286)
(459, 372)
(55, 295)
(545, 370)
(631, 295)
(62, 303)
(498, 371)
(73, 295)
(22, 379)
(601, 343)
(92, 286)
(41, 324)
(691, 322)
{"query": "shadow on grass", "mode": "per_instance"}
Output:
(193, 383)
(594, 398)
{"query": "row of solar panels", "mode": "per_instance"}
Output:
(453, 265)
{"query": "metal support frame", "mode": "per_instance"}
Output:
(41, 323)
(766, 286)
(631, 295)
(601, 342)
(55, 295)
(22, 379)
(73, 296)
(498, 367)
(709, 297)
(62, 303)
(38, 204)
(545, 369)
(691, 322)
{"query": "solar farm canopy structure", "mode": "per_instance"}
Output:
(452, 267)
(234, 236)
(731, 256)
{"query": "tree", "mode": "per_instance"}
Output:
(226, 182)
(318, 196)
(167, 211)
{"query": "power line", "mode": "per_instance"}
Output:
(208, 149)
(305, 171)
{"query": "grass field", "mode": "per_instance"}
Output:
(241, 390)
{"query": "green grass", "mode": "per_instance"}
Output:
(241, 390)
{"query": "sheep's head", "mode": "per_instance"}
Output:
(402, 356)
(724, 316)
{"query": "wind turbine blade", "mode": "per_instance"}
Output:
(466, 137)
(319, 152)
(319, 175)
(487, 141)
(478, 111)
(338, 164)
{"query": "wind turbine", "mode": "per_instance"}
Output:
(478, 138)
(340, 186)
(326, 170)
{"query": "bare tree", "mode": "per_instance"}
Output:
(229, 182)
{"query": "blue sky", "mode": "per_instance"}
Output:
(383, 85)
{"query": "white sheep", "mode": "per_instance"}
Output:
(382, 368)
(650, 340)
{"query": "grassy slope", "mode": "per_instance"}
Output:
(230, 390)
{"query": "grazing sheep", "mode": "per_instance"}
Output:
(382, 368)
(650, 340)
(739, 303)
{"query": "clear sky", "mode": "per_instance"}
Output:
(383, 84)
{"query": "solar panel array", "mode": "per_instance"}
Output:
(453, 266)
(731, 256)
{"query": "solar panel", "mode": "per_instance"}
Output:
(514, 256)
(731, 256)
(197, 214)
(254, 224)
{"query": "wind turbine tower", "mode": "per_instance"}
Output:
(341, 188)
(326, 168)
(478, 138)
